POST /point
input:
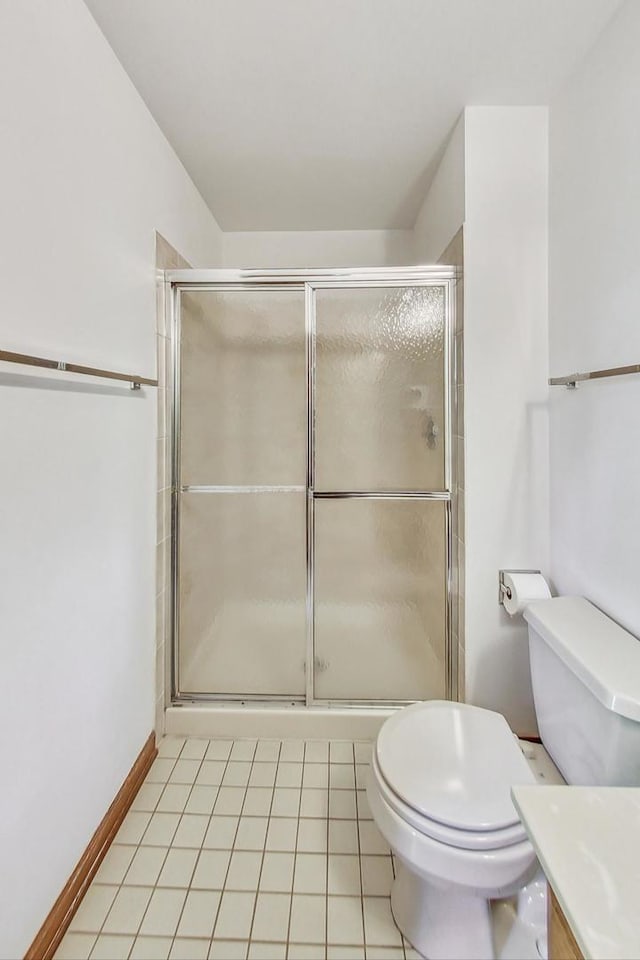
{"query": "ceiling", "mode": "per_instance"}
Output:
(332, 114)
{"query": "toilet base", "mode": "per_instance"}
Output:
(441, 922)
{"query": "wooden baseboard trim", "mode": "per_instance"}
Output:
(53, 929)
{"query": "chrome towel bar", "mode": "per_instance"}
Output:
(133, 379)
(574, 378)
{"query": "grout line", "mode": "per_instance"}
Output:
(295, 851)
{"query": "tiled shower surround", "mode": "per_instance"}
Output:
(244, 849)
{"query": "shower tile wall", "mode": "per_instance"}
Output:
(166, 259)
(453, 256)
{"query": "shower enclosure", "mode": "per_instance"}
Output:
(311, 459)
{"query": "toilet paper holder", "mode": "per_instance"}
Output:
(503, 589)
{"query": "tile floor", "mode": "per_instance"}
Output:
(244, 849)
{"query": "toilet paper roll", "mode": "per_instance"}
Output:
(524, 588)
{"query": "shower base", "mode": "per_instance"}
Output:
(276, 722)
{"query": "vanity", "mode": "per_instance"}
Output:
(588, 843)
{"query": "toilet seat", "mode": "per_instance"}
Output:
(447, 770)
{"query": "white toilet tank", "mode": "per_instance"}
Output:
(585, 672)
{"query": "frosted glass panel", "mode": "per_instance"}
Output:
(380, 599)
(380, 389)
(242, 593)
(243, 388)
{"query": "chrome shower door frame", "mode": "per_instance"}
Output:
(311, 281)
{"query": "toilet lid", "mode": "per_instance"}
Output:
(453, 763)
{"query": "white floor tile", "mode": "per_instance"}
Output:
(344, 875)
(185, 771)
(161, 829)
(314, 803)
(364, 810)
(307, 919)
(342, 804)
(271, 918)
(379, 928)
(147, 796)
(315, 775)
(307, 951)
(160, 771)
(178, 868)
(219, 750)
(235, 915)
(316, 751)
(230, 800)
(344, 920)
(145, 867)
(228, 950)
(343, 836)
(341, 751)
(281, 834)
(345, 953)
(110, 947)
(211, 871)
(243, 750)
(211, 773)
(371, 840)
(199, 914)
(236, 774)
(362, 750)
(191, 831)
(312, 836)
(133, 826)
(201, 799)
(151, 948)
(310, 873)
(128, 910)
(292, 751)
(163, 913)
(244, 870)
(277, 872)
(388, 953)
(171, 747)
(267, 951)
(115, 864)
(289, 775)
(362, 775)
(95, 906)
(184, 949)
(377, 876)
(267, 750)
(342, 776)
(221, 833)
(263, 775)
(286, 802)
(194, 749)
(174, 798)
(75, 946)
(251, 834)
(257, 802)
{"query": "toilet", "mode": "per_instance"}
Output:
(441, 776)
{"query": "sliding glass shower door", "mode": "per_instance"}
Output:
(311, 489)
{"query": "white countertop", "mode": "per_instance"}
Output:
(588, 842)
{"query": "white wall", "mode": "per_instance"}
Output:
(86, 177)
(442, 212)
(319, 248)
(506, 419)
(595, 323)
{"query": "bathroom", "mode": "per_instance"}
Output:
(513, 178)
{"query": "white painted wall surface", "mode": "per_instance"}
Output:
(506, 393)
(595, 323)
(85, 179)
(319, 248)
(442, 212)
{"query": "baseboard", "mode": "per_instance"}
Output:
(53, 929)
